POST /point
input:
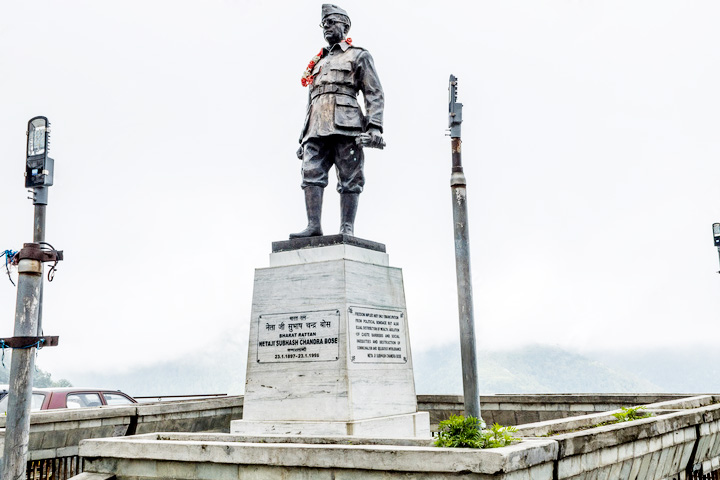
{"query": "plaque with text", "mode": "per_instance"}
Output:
(376, 335)
(298, 337)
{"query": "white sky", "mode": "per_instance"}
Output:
(590, 146)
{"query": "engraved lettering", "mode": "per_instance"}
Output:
(294, 337)
(377, 330)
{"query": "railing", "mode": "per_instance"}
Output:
(708, 476)
(60, 468)
(64, 468)
(171, 398)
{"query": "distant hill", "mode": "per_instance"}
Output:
(202, 371)
(676, 369)
(532, 369)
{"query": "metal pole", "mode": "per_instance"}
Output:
(28, 309)
(40, 201)
(39, 223)
(17, 430)
(468, 353)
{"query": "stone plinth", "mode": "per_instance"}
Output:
(329, 349)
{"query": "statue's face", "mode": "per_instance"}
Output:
(333, 30)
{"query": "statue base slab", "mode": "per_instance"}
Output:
(329, 349)
(411, 425)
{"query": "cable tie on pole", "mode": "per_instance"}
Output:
(51, 271)
(53, 267)
(9, 260)
(37, 351)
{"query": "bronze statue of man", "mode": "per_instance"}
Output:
(336, 129)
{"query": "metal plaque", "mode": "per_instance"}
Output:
(376, 335)
(298, 337)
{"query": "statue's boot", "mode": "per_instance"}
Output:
(348, 209)
(313, 206)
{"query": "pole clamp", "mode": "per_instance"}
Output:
(34, 251)
(29, 342)
(457, 179)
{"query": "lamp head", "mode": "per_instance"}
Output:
(38, 166)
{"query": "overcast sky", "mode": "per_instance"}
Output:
(590, 144)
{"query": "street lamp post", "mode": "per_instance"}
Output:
(27, 338)
(468, 353)
(39, 169)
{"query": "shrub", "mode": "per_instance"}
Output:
(467, 432)
(630, 414)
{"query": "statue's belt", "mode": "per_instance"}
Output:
(339, 89)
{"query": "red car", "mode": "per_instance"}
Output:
(69, 397)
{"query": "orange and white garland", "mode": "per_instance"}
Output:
(308, 77)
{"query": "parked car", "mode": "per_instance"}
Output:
(69, 397)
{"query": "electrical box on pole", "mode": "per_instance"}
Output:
(455, 109)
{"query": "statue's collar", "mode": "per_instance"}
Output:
(343, 45)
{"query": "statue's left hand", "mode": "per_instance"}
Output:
(372, 139)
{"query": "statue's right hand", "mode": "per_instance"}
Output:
(371, 139)
(299, 152)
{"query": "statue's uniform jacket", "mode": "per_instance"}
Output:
(334, 116)
(347, 69)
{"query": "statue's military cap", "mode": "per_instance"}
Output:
(330, 9)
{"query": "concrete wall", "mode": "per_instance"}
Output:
(185, 457)
(522, 409)
(683, 437)
(57, 433)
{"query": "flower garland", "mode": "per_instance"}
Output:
(307, 76)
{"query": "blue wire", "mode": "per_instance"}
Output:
(4, 345)
(8, 254)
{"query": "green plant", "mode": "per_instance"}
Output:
(467, 432)
(499, 436)
(458, 431)
(631, 413)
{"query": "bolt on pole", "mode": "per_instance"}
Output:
(468, 352)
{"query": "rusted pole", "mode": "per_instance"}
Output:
(40, 201)
(17, 430)
(468, 352)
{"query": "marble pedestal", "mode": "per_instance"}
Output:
(329, 350)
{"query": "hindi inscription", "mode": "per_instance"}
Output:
(376, 335)
(298, 337)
